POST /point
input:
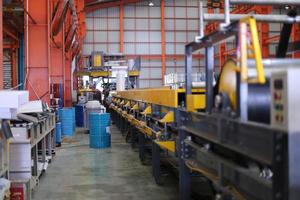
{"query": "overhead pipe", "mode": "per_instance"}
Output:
(267, 2)
(259, 17)
(227, 11)
(201, 22)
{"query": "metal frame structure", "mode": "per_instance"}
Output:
(59, 26)
(240, 159)
(165, 58)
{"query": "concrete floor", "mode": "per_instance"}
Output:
(80, 173)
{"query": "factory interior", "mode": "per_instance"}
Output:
(149, 99)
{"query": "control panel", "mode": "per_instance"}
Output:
(285, 103)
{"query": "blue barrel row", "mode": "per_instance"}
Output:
(67, 118)
(79, 113)
(99, 130)
(58, 133)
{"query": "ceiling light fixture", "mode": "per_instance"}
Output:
(151, 3)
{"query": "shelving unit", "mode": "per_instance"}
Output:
(31, 151)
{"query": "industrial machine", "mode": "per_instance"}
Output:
(113, 71)
(240, 135)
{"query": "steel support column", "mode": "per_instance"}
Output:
(1, 46)
(37, 40)
(296, 37)
(188, 69)
(57, 55)
(122, 27)
(209, 70)
(163, 39)
(184, 171)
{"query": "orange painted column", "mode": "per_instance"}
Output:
(264, 30)
(57, 55)
(121, 27)
(296, 37)
(37, 49)
(1, 46)
(163, 39)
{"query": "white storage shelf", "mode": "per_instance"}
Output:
(31, 150)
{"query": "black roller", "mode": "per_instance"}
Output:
(6, 129)
(259, 101)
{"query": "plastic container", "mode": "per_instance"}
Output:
(58, 133)
(100, 130)
(79, 115)
(92, 107)
(67, 118)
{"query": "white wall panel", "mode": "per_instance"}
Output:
(180, 2)
(180, 48)
(180, 70)
(155, 49)
(170, 37)
(192, 24)
(170, 48)
(144, 84)
(89, 23)
(155, 83)
(89, 37)
(100, 36)
(129, 48)
(142, 49)
(99, 24)
(142, 24)
(129, 36)
(180, 12)
(169, 12)
(155, 36)
(181, 24)
(113, 12)
(144, 73)
(114, 48)
(142, 11)
(170, 70)
(113, 24)
(87, 49)
(192, 35)
(155, 63)
(155, 24)
(169, 2)
(154, 11)
(129, 11)
(155, 73)
(113, 36)
(192, 13)
(100, 13)
(193, 3)
(169, 24)
(101, 47)
(142, 36)
(129, 24)
(181, 36)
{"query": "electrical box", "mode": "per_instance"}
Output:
(285, 103)
(97, 59)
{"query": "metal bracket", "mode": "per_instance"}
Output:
(168, 118)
